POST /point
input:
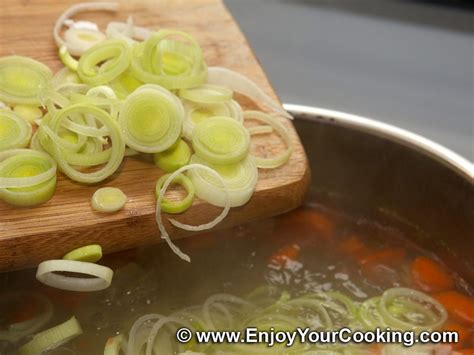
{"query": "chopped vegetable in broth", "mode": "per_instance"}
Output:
(312, 267)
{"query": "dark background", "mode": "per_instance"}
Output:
(408, 63)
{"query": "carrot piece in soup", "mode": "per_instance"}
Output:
(430, 276)
(287, 252)
(386, 256)
(459, 306)
(306, 223)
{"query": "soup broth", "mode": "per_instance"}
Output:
(310, 251)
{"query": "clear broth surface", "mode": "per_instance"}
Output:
(234, 261)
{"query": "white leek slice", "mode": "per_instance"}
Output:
(221, 140)
(260, 130)
(108, 93)
(151, 119)
(52, 338)
(104, 62)
(138, 333)
(160, 324)
(20, 168)
(80, 40)
(241, 179)
(418, 311)
(218, 219)
(108, 199)
(74, 48)
(274, 162)
(196, 113)
(23, 79)
(128, 30)
(243, 85)
(207, 94)
(15, 132)
(47, 274)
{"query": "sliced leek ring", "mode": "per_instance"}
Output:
(205, 226)
(104, 62)
(173, 158)
(279, 160)
(22, 80)
(207, 94)
(221, 140)
(151, 119)
(59, 148)
(241, 179)
(196, 113)
(108, 199)
(166, 61)
(15, 132)
(52, 338)
(175, 207)
(47, 273)
(27, 177)
(90, 253)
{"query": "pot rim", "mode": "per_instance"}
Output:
(424, 145)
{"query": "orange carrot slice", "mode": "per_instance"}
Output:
(287, 252)
(430, 276)
(387, 256)
(459, 306)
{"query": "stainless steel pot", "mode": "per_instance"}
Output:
(376, 170)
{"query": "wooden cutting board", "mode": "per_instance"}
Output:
(31, 235)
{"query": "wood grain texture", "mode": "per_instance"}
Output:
(30, 235)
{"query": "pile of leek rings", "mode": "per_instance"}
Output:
(130, 90)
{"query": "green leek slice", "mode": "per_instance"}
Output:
(22, 80)
(52, 338)
(221, 140)
(241, 179)
(90, 253)
(164, 60)
(173, 158)
(196, 113)
(29, 113)
(151, 119)
(27, 177)
(175, 207)
(108, 199)
(57, 147)
(15, 132)
(104, 62)
(67, 59)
